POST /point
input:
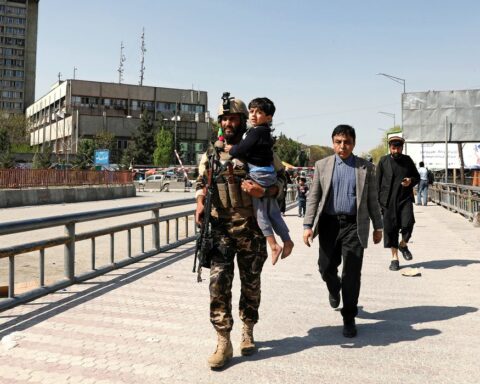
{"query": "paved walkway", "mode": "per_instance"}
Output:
(148, 323)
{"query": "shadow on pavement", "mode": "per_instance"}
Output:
(444, 264)
(51, 309)
(393, 326)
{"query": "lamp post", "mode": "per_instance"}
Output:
(391, 115)
(400, 81)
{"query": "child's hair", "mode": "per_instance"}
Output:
(264, 104)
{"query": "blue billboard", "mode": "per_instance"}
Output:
(102, 157)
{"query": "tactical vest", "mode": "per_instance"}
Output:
(228, 193)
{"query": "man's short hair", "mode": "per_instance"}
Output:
(344, 129)
(264, 104)
(421, 164)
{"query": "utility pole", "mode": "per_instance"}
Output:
(120, 67)
(143, 50)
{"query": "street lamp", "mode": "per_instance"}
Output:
(391, 115)
(400, 81)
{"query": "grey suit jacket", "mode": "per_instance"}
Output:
(367, 203)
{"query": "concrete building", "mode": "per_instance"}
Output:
(76, 109)
(18, 54)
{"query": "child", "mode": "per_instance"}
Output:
(256, 149)
(302, 191)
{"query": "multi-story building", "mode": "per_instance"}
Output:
(18, 54)
(76, 109)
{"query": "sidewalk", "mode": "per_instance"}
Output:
(148, 323)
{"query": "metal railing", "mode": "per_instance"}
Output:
(71, 237)
(29, 178)
(463, 199)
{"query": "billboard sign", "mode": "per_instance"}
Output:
(433, 155)
(102, 157)
(437, 116)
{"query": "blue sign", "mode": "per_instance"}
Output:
(102, 157)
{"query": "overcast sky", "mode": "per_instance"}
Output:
(317, 60)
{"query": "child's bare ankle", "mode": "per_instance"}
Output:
(287, 248)
(276, 252)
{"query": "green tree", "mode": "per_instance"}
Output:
(85, 152)
(287, 149)
(163, 152)
(42, 160)
(6, 159)
(16, 127)
(318, 152)
(144, 140)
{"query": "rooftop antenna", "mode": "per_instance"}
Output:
(74, 72)
(59, 77)
(120, 67)
(143, 50)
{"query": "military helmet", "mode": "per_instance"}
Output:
(231, 105)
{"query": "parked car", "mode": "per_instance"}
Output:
(165, 182)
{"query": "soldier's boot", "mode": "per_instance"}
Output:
(247, 345)
(224, 351)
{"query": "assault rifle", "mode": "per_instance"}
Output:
(205, 240)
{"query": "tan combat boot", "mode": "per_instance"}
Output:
(247, 346)
(224, 351)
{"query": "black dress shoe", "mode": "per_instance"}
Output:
(334, 299)
(407, 255)
(349, 328)
(394, 265)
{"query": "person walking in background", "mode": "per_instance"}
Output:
(302, 191)
(340, 205)
(422, 189)
(396, 177)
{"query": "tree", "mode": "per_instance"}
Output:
(318, 152)
(16, 128)
(41, 160)
(85, 152)
(287, 149)
(163, 152)
(6, 159)
(144, 140)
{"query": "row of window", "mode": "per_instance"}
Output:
(12, 20)
(11, 73)
(13, 31)
(11, 105)
(11, 84)
(7, 52)
(5, 9)
(12, 94)
(12, 41)
(12, 62)
(135, 105)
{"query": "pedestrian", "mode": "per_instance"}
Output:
(283, 201)
(256, 149)
(235, 232)
(422, 188)
(340, 205)
(302, 191)
(396, 177)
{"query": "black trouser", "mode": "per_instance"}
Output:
(339, 239)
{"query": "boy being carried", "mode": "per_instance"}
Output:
(256, 148)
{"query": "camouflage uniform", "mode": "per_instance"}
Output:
(235, 232)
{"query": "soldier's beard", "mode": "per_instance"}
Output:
(396, 156)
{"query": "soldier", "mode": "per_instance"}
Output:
(235, 233)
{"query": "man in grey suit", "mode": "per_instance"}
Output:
(341, 203)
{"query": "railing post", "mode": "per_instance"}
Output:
(156, 229)
(69, 252)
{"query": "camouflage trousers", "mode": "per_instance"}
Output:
(242, 238)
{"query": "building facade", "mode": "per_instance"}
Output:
(78, 109)
(18, 54)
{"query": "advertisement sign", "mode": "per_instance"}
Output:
(433, 155)
(102, 157)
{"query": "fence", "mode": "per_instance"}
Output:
(457, 198)
(27, 178)
(167, 232)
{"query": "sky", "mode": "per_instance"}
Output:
(316, 60)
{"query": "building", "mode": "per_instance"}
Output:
(18, 54)
(76, 109)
